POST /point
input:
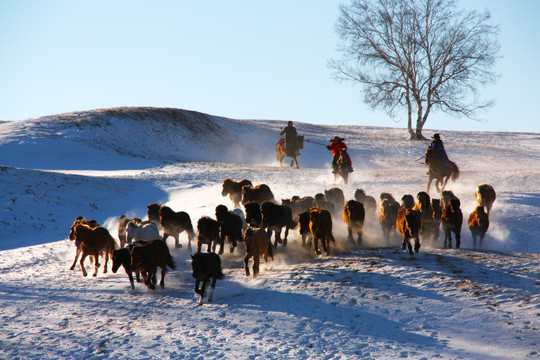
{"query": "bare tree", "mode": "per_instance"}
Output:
(418, 55)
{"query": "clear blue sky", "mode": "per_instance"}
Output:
(240, 59)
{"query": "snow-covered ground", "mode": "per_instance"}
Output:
(359, 303)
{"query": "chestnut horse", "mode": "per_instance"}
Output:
(257, 244)
(93, 242)
(320, 225)
(342, 166)
(234, 190)
(485, 196)
(439, 172)
(408, 224)
(281, 152)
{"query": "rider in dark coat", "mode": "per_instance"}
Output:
(290, 136)
(438, 146)
(336, 145)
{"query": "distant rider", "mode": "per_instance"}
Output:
(290, 136)
(335, 147)
(438, 146)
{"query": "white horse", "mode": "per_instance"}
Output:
(146, 231)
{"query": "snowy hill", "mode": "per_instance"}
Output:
(373, 302)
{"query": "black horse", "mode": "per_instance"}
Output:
(206, 266)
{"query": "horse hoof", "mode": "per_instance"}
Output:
(178, 246)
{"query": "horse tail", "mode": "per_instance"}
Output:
(219, 274)
(455, 172)
(170, 262)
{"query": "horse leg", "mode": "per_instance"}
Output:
(326, 245)
(106, 261)
(197, 283)
(96, 265)
(286, 234)
(233, 243)
(76, 258)
(277, 232)
(203, 290)
(360, 234)
(256, 261)
(165, 236)
(221, 243)
(130, 275)
(151, 278)
(177, 241)
(458, 239)
(212, 287)
(83, 256)
(316, 245)
(163, 271)
(430, 179)
(349, 234)
(444, 182)
(246, 264)
(417, 244)
(409, 246)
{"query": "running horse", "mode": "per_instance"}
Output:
(296, 146)
(342, 166)
(439, 172)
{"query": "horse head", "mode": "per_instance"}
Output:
(227, 183)
(429, 156)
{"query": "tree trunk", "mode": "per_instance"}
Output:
(417, 135)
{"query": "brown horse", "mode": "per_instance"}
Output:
(320, 225)
(147, 257)
(79, 220)
(257, 244)
(408, 224)
(485, 196)
(207, 233)
(173, 223)
(342, 166)
(281, 152)
(426, 213)
(354, 216)
(93, 242)
(478, 224)
(234, 189)
(452, 219)
(388, 213)
(258, 194)
(439, 172)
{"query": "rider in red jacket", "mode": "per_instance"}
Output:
(336, 145)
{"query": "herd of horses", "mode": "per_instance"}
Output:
(142, 247)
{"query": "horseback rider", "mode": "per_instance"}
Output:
(335, 147)
(438, 146)
(290, 137)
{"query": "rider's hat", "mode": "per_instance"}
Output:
(289, 123)
(436, 136)
(337, 138)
